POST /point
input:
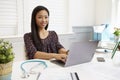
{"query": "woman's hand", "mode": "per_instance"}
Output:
(61, 57)
(63, 51)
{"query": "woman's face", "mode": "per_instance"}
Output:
(42, 19)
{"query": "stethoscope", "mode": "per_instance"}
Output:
(26, 74)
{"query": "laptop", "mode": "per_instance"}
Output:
(79, 52)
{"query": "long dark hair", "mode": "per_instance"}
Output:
(34, 27)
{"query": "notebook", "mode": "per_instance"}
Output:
(79, 52)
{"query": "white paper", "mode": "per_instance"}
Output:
(55, 74)
(106, 71)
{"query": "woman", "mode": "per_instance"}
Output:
(40, 43)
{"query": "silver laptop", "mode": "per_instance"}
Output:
(79, 52)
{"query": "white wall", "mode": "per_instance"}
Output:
(103, 11)
(81, 12)
(89, 12)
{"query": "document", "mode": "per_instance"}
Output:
(57, 74)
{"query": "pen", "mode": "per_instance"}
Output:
(71, 76)
(77, 76)
(38, 76)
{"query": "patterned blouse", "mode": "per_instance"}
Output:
(50, 44)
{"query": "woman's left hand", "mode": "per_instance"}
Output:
(61, 57)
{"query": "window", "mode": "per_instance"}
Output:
(11, 22)
(8, 17)
(15, 15)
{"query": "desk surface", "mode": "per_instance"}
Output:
(94, 70)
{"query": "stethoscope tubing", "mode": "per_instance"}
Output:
(32, 60)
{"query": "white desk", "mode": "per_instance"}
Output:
(88, 71)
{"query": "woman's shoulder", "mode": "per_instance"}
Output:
(27, 34)
(52, 32)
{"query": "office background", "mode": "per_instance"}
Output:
(15, 15)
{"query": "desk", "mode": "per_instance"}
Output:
(88, 71)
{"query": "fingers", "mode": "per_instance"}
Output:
(67, 52)
(63, 58)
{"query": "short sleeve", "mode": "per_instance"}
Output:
(58, 45)
(30, 48)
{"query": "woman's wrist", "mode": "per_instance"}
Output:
(63, 51)
(53, 55)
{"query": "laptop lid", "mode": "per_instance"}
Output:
(81, 52)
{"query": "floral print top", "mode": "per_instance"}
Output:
(51, 44)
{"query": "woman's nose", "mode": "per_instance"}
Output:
(43, 19)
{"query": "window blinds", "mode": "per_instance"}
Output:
(15, 15)
(8, 17)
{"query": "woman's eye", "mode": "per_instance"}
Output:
(39, 17)
(46, 17)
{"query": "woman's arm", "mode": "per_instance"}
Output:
(60, 47)
(63, 51)
(44, 55)
(29, 46)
